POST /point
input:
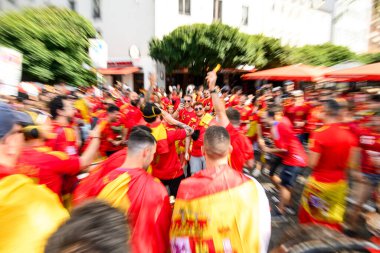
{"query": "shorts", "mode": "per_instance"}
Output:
(275, 162)
(289, 175)
(257, 152)
(373, 178)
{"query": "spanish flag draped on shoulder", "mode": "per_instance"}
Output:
(220, 210)
(145, 202)
(29, 214)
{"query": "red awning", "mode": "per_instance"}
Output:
(298, 72)
(119, 71)
(370, 72)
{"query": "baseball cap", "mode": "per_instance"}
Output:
(297, 93)
(276, 89)
(10, 117)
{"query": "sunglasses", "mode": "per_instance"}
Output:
(187, 101)
(198, 109)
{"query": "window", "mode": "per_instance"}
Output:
(184, 7)
(96, 9)
(72, 5)
(218, 10)
(244, 18)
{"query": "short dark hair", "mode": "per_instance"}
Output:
(138, 139)
(236, 89)
(56, 104)
(216, 141)
(273, 110)
(112, 108)
(233, 115)
(333, 108)
(94, 227)
(375, 98)
(150, 112)
(198, 103)
(141, 127)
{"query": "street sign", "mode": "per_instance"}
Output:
(10, 70)
(98, 53)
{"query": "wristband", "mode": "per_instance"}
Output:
(213, 91)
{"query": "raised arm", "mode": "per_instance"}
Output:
(219, 107)
(168, 118)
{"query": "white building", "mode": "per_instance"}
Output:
(126, 24)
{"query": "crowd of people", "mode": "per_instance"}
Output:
(110, 170)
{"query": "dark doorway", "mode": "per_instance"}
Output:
(138, 82)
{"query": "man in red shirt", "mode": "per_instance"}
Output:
(143, 199)
(287, 147)
(219, 209)
(65, 134)
(207, 102)
(131, 113)
(244, 110)
(298, 114)
(368, 179)
(166, 165)
(242, 153)
(331, 148)
(197, 161)
(112, 138)
(185, 112)
(235, 97)
(46, 166)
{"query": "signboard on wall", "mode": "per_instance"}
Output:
(10, 70)
(98, 53)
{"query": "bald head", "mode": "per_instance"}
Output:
(216, 142)
(133, 95)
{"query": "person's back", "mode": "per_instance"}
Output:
(143, 199)
(219, 209)
(333, 142)
(146, 202)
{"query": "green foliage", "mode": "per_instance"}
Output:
(321, 55)
(54, 43)
(200, 46)
(369, 58)
(265, 52)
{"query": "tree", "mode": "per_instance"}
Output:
(200, 46)
(54, 43)
(266, 52)
(321, 55)
(369, 58)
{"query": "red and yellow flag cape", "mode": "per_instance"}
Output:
(220, 211)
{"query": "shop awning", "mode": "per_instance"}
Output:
(119, 71)
(370, 72)
(298, 72)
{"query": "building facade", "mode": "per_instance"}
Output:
(128, 25)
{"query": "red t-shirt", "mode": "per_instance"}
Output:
(196, 149)
(188, 117)
(167, 166)
(110, 130)
(298, 114)
(245, 112)
(65, 139)
(47, 167)
(284, 138)
(334, 144)
(207, 102)
(313, 120)
(149, 210)
(242, 148)
(369, 142)
(233, 101)
(131, 116)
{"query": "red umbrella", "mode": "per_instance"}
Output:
(370, 72)
(298, 72)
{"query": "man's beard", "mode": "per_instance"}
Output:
(135, 102)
